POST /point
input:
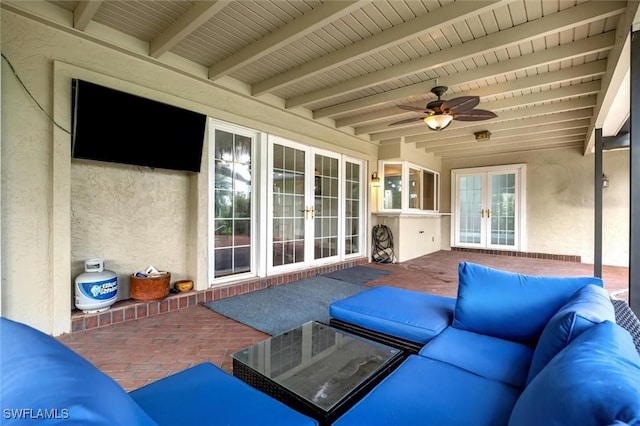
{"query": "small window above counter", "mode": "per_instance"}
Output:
(421, 194)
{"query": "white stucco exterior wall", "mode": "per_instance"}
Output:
(560, 201)
(56, 212)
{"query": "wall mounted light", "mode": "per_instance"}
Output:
(482, 135)
(375, 180)
(605, 181)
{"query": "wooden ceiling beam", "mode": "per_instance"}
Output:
(435, 20)
(199, 13)
(580, 48)
(581, 14)
(307, 23)
(84, 13)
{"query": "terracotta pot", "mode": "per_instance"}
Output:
(144, 289)
(183, 285)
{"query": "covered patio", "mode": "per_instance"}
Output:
(141, 351)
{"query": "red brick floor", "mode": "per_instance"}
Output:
(139, 352)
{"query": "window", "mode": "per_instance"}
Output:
(392, 186)
(232, 201)
(423, 187)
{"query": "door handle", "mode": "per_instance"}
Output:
(309, 211)
(482, 213)
(488, 213)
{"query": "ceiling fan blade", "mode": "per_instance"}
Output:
(411, 108)
(474, 115)
(408, 120)
(461, 104)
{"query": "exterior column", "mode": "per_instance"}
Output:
(597, 231)
(634, 176)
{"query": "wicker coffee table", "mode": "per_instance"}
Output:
(316, 369)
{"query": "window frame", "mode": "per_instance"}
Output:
(254, 135)
(406, 169)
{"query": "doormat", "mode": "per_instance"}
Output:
(279, 308)
(357, 274)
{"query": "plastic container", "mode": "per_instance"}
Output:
(96, 289)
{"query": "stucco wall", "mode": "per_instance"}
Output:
(131, 217)
(560, 201)
(56, 212)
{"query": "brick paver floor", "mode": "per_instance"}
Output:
(139, 352)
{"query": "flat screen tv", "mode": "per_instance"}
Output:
(118, 127)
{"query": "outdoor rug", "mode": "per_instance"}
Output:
(357, 274)
(279, 308)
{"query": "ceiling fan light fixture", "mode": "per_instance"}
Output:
(438, 122)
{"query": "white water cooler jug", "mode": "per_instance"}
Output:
(96, 287)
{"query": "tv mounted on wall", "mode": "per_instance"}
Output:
(118, 127)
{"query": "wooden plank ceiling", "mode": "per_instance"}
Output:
(539, 65)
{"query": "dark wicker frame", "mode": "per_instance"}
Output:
(325, 418)
(406, 346)
(627, 319)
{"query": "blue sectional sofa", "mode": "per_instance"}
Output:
(43, 381)
(519, 350)
(510, 350)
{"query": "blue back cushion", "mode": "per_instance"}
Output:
(589, 306)
(41, 376)
(593, 381)
(509, 305)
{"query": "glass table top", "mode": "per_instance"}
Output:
(317, 362)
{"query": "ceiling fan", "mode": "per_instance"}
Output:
(440, 113)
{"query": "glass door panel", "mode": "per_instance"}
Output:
(288, 199)
(353, 208)
(232, 203)
(469, 222)
(503, 210)
(325, 242)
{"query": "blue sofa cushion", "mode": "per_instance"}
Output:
(486, 356)
(589, 306)
(204, 394)
(407, 314)
(593, 381)
(424, 391)
(41, 376)
(509, 305)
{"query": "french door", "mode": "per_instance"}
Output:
(232, 205)
(308, 220)
(488, 207)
